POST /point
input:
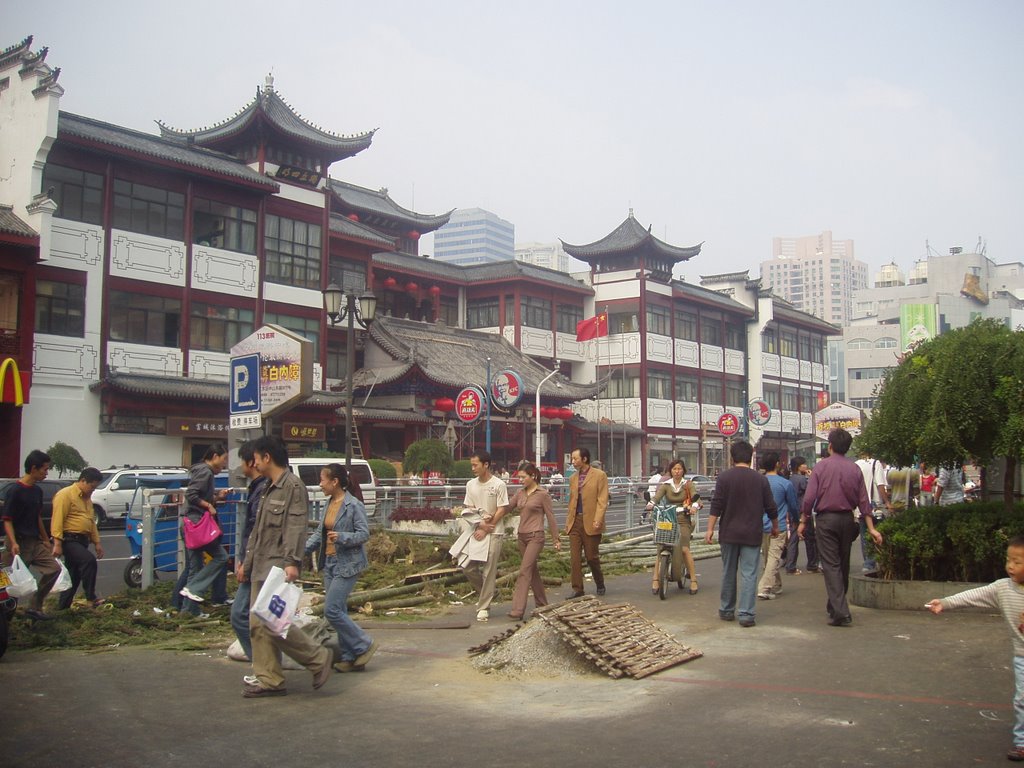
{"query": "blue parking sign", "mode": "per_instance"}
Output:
(245, 384)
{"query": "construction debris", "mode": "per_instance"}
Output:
(615, 637)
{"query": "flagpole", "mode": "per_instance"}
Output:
(608, 345)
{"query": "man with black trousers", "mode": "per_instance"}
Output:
(836, 489)
(799, 478)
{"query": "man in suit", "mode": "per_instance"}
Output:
(588, 502)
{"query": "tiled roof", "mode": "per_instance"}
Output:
(783, 310)
(715, 297)
(455, 357)
(349, 228)
(10, 223)
(390, 414)
(181, 388)
(477, 273)
(269, 106)
(161, 149)
(629, 236)
(365, 200)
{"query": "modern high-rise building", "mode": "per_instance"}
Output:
(816, 274)
(475, 236)
(550, 255)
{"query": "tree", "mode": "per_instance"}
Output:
(427, 455)
(65, 459)
(960, 394)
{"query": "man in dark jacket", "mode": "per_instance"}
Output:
(742, 497)
(240, 608)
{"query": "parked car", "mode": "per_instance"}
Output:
(49, 486)
(703, 485)
(308, 470)
(114, 493)
(624, 486)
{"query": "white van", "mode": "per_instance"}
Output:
(308, 470)
(114, 493)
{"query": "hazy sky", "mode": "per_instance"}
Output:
(890, 123)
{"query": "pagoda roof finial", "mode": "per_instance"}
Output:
(268, 82)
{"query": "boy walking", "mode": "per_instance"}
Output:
(1007, 595)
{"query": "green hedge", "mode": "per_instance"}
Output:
(965, 542)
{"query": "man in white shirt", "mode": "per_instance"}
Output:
(874, 472)
(487, 494)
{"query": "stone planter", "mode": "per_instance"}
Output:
(903, 595)
(427, 527)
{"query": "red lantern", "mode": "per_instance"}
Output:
(444, 404)
(411, 287)
(414, 235)
(435, 291)
(549, 413)
(354, 216)
(565, 413)
(390, 282)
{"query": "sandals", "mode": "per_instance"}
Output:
(655, 588)
(694, 588)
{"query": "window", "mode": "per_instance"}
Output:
(623, 322)
(867, 373)
(510, 309)
(568, 317)
(686, 388)
(805, 347)
(867, 403)
(337, 361)
(735, 337)
(858, 344)
(535, 312)
(10, 294)
(348, 275)
(78, 194)
(790, 399)
(623, 384)
(771, 396)
(60, 308)
(659, 320)
(886, 342)
(769, 341)
(292, 251)
(817, 349)
(448, 311)
(149, 210)
(711, 332)
(659, 385)
(787, 344)
(223, 226)
(711, 391)
(686, 325)
(304, 326)
(734, 394)
(808, 401)
(217, 328)
(142, 319)
(482, 313)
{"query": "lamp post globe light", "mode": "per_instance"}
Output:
(345, 305)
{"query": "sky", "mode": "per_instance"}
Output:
(894, 124)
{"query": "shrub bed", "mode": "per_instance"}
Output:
(964, 542)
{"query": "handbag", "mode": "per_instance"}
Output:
(277, 602)
(198, 535)
(63, 582)
(23, 583)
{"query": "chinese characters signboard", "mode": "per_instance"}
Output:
(835, 416)
(469, 404)
(303, 433)
(284, 372)
(728, 424)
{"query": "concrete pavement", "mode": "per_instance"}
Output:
(898, 688)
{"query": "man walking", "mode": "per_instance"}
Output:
(588, 503)
(873, 472)
(243, 596)
(799, 477)
(835, 490)
(488, 495)
(774, 546)
(278, 538)
(73, 528)
(26, 534)
(742, 497)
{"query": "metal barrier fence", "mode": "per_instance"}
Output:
(163, 549)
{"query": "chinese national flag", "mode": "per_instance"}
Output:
(592, 328)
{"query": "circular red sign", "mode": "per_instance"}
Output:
(728, 424)
(469, 404)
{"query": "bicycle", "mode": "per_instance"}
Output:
(666, 536)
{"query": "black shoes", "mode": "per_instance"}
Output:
(840, 621)
(748, 623)
(600, 591)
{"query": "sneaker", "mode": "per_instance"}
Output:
(765, 596)
(748, 623)
(344, 666)
(1016, 754)
(363, 658)
(186, 593)
(321, 677)
(727, 616)
(258, 691)
(483, 615)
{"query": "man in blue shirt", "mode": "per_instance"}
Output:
(774, 545)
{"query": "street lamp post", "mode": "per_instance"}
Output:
(356, 308)
(536, 413)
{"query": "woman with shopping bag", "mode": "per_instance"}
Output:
(26, 535)
(202, 531)
(340, 542)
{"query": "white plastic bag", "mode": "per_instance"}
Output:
(277, 602)
(23, 583)
(64, 580)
